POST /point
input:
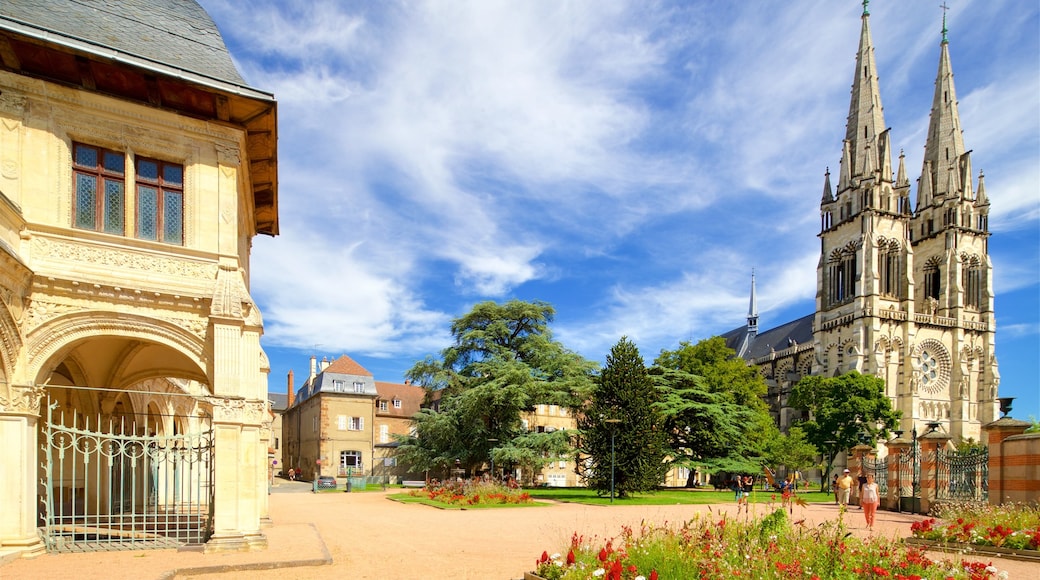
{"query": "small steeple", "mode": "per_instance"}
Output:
(981, 200)
(828, 193)
(924, 187)
(901, 179)
(752, 316)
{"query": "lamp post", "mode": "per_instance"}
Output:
(825, 484)
(491, 454)
(613, 427)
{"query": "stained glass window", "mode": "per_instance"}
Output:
(99, 175)
(160, 201)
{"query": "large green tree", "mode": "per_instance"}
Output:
(717, 419)
(622, 440)
(502, 362)
(844, 411)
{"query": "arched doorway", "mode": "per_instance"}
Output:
(126, 447)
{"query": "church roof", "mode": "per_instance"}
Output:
(158, 32)
(750, 346)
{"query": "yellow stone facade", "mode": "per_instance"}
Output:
(113, 329)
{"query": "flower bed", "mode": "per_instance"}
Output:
(1007, 530)
(709, 547)
(473, 493)
(1011, 526)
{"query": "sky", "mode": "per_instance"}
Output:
(629, 162)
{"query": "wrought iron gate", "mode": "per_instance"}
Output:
(124, 487)
(909, 479)
(962, 475)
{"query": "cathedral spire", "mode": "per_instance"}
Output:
(752, 315)
(866, 121)
(944, 150)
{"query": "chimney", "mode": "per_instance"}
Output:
(324, 364)
(289, 403)
(314, 367)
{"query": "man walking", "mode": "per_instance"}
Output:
(844, 488)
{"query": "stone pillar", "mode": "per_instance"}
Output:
(19, 468)
(934, 440)
(239, 474)
(1002, 478)
(897, 448)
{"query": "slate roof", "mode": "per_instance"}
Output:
(779, 338)
(279, 401)
(175, 33)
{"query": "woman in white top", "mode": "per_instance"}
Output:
(869, 500)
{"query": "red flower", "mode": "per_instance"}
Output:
(544, 558)
(570, 558)
(602, 555)
(653, 575)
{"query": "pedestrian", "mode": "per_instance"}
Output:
(745, 486)
(861, 480)
(787, 491)
(834, 487)
(292, 474)
(844, 488)
(869, 498)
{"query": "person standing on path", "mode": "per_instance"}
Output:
(844, 488)
(861, 480)
(869, 498)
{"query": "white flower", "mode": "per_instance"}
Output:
(599, 572)
(555, 556)
(991, 569)
(1002, 575)
(558, 563)
(639, 578)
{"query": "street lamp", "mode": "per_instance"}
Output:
(491, 454)
(613, 427)
(830, 443)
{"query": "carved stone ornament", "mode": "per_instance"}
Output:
(229, 410)
(230, 297)
(75, 252)
(12, 102)
(22, 399)
(228, 155)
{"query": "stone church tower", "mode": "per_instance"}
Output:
(904, 291)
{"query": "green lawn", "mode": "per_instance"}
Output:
(665, 497)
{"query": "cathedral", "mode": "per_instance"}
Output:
(904, 290)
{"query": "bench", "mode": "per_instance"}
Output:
(413, 483)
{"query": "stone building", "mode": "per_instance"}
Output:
(904, 290)
(341, 422)
(136, 167)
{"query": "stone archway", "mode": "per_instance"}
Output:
(125, 441)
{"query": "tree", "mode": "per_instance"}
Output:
(705, 429)
(633, 448)
(792, 451)
(502, 363)
(844, 411)
(717, 421)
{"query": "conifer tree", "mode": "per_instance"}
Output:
(623, 405)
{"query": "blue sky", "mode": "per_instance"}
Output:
(628, 162)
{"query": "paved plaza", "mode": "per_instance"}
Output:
(366, 536)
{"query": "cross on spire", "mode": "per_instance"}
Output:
(944, 30)
(866, 11)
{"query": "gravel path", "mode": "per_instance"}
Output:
(367, 536)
